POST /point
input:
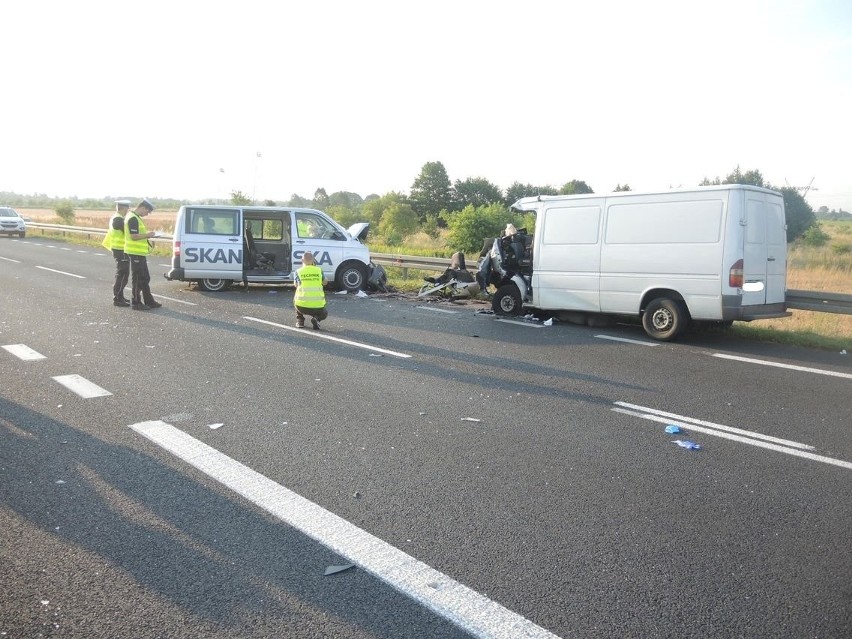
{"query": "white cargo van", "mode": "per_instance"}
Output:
(716, 253)
(217, 245)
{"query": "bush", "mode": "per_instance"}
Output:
(841, 249)
(815, 236)
(65, 212)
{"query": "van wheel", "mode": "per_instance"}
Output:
(664, 319)
(214, 286)
(351, 277)
(507, 300)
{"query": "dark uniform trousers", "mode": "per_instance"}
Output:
(319, 313)
(122, 274)
(140, 280)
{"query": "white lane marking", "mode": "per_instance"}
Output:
(793, 367)
(64, 248)
(629, 341)
(9, 259)
(519, 323)
(52, 270)
(79, 251)
(24, 352)
(82, 386)
(450, 599)
(437, 310)
(172, 299)
(737, 438)
(331, 338)
(729, 429)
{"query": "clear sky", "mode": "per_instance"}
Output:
(178, 98)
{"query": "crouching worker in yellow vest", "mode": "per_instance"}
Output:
(309, 298)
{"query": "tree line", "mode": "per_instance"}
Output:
(465, 210)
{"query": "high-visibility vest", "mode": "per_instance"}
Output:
(114, 238)
(309, 293)
(131, 246)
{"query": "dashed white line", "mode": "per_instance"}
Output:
(24, 352)
(751, 440)
(9, 259)
(519, 323)
(328, 337)
(437, 310)
(468, 609)
(53, 270)
(83, 387)
(172, 299)
(763, 362)
(629, 341)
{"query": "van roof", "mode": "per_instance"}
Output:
(219, 207)
(585, 196)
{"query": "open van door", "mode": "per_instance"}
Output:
(212, 246)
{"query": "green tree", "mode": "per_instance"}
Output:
(300, 202)
(575, 187)
(65, 211)
(622, 187)
(399, 220)
(752, 177)
(431, 192)
(517, 190)
(351, 201)
(800, 216)
(321, 199)
(476, 192)
(469, 227)
(343, 215)
(373, 210)
(240, 198)
(270, 203)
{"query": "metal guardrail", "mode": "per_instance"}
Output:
(820, 301)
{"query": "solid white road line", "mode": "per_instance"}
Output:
(172, 299)
(452, 600)
(437, 310)
(519, 323)
(9, 259)
(52, 270)
(83, 387)
(793, 367)
(737, 438)
(330, 338)
(629, 341)
(728, 429)
(24, 352)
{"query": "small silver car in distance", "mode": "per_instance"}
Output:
(11, 223)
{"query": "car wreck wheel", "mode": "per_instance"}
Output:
(507, 300)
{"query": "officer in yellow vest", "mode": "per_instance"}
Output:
(137, 247)
(114, 241)
(310, 297)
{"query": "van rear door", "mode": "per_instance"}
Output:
(212, 243)
(765, 252)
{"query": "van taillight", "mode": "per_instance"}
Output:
(176, 249)
(735, 279)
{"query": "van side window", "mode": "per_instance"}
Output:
(268, 229)
(212, 221)
(310, 226)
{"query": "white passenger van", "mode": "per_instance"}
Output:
(716, 253)
(217, 245)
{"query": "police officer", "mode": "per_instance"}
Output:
(309, 298)
(137, 247)
(114, 241)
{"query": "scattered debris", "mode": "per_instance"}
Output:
(361, 294)
(357, 495)
(470, 419)
(671, 429)
(215, 426)
(343, 292)
(484, 311)
(843, 352)
(548, 322)
(376, 355)
(422, 413)
(685, 443)
(333, 570)
(60, 481)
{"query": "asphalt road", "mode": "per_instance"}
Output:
(485, 478)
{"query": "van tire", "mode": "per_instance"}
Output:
(214, 286)
(507, 300)
(664, 318)
(351, 277)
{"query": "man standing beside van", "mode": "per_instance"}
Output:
(310, 297)
(137, 247)
(114, 241)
